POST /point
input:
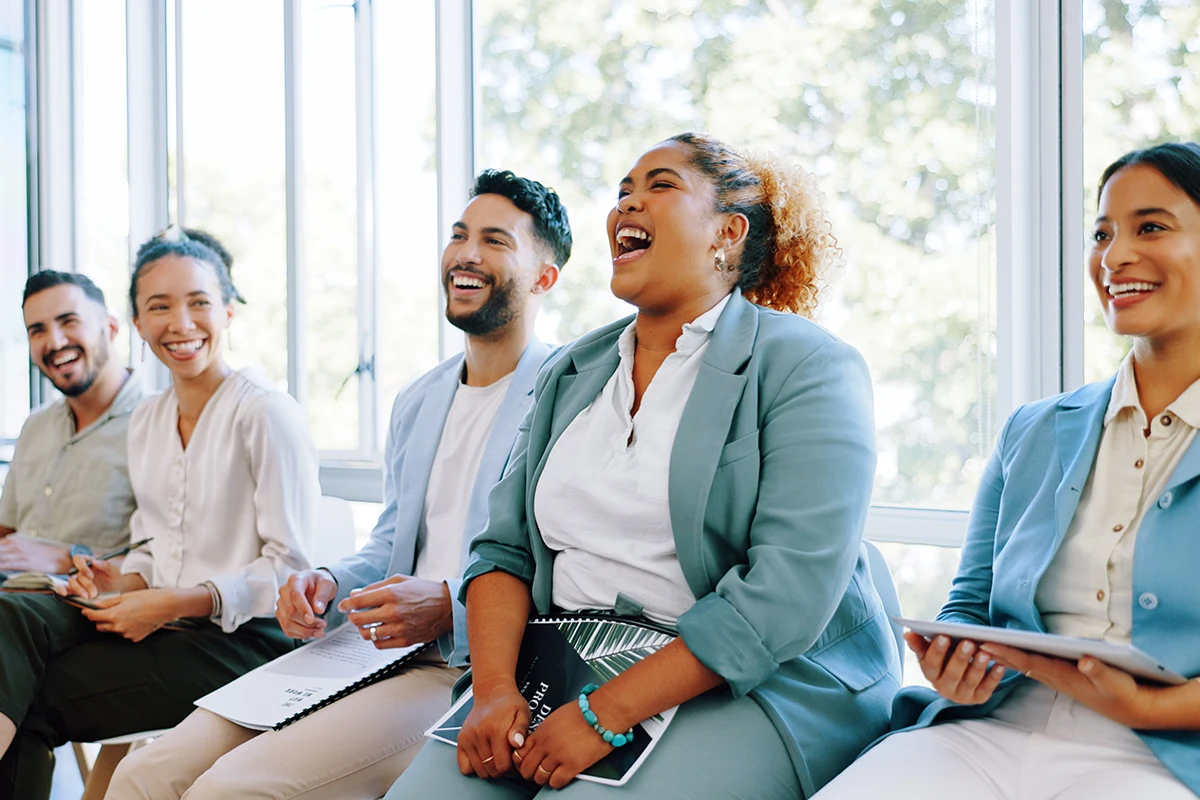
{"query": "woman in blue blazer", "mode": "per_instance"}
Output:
(708, 462)
(1085, 524)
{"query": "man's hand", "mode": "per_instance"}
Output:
(302, 600)
(402, 611)
(18, 554)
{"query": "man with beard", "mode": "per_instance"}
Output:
(450, 436)
(68, 488)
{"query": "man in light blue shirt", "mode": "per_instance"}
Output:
(450, 436)
(68, 483)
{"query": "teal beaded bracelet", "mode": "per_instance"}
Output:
(589, 716)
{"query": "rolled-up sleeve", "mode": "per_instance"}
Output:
(284, 465)
(817, 466)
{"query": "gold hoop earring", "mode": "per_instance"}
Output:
(719, 261)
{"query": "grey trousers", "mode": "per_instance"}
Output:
(716, 748)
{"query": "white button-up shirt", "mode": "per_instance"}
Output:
(1087, 590)
(601, 501)
(238, 507)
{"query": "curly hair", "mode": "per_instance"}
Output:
(550, 223)
(790, 245)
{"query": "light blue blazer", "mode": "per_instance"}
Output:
(770, 481)
(418, 417)
(1026, 500)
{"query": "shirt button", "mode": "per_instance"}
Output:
(1165, 500)
(47, 491)
(1100, 595)
(1139, 464)
(1165, 419)
(1148, 601)
(1118, 528)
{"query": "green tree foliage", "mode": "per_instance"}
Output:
(888, 103)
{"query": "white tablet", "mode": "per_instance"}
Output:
(1126, 657)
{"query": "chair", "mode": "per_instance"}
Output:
(334, 541)
(882, 577)
(96, 776)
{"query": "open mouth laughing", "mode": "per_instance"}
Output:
(632, 242)
(63, 359)
(465, 283)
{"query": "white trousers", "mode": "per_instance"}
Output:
(354, 748)
(1038, 745)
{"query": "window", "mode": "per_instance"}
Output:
(14, 224)
(889, 104)
(1141, 86)
(102, 166)
(230, 145)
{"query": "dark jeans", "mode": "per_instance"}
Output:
(62, 681)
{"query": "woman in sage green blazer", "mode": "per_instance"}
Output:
(785, 665)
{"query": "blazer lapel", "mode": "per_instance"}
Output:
(1077, 427)
(422, 446)
(703, 428)
(1188, 466)
(577, 385)
(500, 441)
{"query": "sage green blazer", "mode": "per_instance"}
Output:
(770, 480)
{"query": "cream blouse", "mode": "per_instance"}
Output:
(1087, 590)
(238, 507)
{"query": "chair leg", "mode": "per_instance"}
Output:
(81, 761)
(96, 785)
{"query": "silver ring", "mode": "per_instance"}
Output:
(374, 633)
(489, 759)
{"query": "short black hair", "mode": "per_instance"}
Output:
(184, 245)
(49, 278)
(550, 223)
(1179, 162)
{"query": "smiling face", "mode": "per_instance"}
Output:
(1145, 260)
(181, 315)
(70, 337)
(664, 233)
(491, 266)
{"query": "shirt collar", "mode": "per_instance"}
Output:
(694, 334)
(1125, 395)
(127, 398)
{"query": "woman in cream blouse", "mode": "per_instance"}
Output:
(709, 462)
(1085, 524)
(225, 478)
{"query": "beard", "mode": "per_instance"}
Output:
(501, 308)
(94, 358)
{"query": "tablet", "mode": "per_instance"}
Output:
(1126, 657)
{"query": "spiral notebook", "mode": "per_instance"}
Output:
(309, 678)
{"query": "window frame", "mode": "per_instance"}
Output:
(1039, 136)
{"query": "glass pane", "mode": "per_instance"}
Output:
(890, 104)
(330, 230)
(1141, 86)
(409, 255)
(922, 574)
(14, 225)
(103, 157)
(233, 161)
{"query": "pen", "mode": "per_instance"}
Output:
(115, 553)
